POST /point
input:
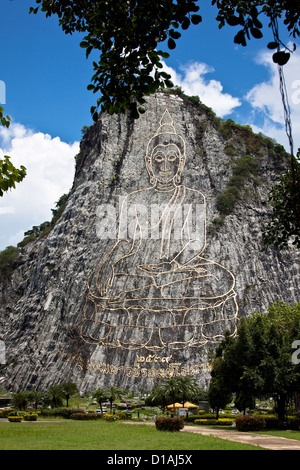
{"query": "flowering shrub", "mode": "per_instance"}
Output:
(110, 417)
(169, 424)
(86, 416)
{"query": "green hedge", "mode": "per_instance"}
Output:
(6, 412)
(169, 424)
(30, 417)
(15, 419)
(192, 418)
(61, 412)
(271, 422)
(86, 416)
(219, 422)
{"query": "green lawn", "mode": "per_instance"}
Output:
(100, 435)
(287, 434)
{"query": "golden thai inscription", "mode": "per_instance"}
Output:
(153, 358)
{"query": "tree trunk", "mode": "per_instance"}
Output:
(280, 407)
(297, 401)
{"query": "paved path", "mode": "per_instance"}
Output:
(261, 440)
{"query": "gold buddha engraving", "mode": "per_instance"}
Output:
(154, 289)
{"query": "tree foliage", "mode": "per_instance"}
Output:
(9, 174)
(175, 389)
(259, 361)
(126, 34)
(247, 15)
(284, 226)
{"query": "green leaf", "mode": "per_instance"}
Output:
(174, 34)
(281, 57)
(171, 43)
(239, 38)
(196, 19)
(186, 23)
(272, 45)
(256, 33)
(233, 20)
(164, 55)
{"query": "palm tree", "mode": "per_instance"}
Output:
(69, 389)
(20, 400)
(188, 388)
(36, 398)
(113, 393)
(176, 388)
(169, 389)
(99, 394)
(55, 395)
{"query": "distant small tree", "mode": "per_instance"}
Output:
(20, 400)
(188, 388)
(69, 389)
(36, 398)
(113, 393)
(219, 393)
(100, 395)
(54, 396)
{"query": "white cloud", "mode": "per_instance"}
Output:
(193, 82)
(266, 100)
(50, 168)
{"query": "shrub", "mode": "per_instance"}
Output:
(271, 422)
(86, 416)
(5, 413)
(219, 422)
(250, 423)
(15, 419)
(225, 421)
(206, 422)
(30, 417)
(62, 412)
(169, 424)
(110, 417)
(293, 424)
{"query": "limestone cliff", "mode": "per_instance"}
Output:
(91, 305)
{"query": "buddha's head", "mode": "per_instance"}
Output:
(165, 157)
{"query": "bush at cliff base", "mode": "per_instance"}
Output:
(169, 424)
(250, 423)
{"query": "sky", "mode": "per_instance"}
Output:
(44, 76)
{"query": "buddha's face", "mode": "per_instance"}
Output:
(165, 162)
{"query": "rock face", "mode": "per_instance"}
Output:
(142, 274)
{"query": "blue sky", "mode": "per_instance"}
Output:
(43, 87)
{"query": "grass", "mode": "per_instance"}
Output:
(287, 434)
(99, 435)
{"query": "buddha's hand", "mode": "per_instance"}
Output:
(156, 269)
(105, 278)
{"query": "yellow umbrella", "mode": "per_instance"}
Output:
(190, 405)
(180, 405)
